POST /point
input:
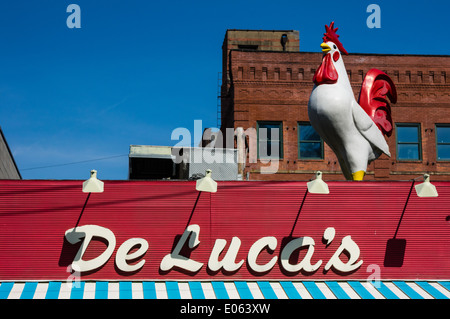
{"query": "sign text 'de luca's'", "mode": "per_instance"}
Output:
(190, 239)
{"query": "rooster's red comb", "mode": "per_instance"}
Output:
(331, 35)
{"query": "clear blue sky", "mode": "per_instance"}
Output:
(136, 70)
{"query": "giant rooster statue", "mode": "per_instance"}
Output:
(353, 130)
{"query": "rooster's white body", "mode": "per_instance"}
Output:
(338, 118)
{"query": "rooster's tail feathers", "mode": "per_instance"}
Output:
(376, 92)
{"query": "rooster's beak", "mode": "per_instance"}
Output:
(325, 47)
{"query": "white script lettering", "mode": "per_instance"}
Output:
(190, 240)
(175, 259)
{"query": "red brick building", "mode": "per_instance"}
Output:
(267, 80)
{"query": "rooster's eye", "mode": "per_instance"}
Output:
(334, 47)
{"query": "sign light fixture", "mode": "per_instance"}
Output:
(93, 185)
(426, 189)
(318, 186)
(206, 184)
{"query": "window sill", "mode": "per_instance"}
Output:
(408, 161)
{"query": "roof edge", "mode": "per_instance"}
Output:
(365, 54)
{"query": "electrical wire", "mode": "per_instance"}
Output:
(73, 163)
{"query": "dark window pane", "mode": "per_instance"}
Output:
(263, 149)
(273, 149)
(443, 152)
(311, 150)
(269, 135)
(269, 149)
(443, 134)
(269, 132)
(408, 151)
(307, 133)
(407, 134)
(310, 142)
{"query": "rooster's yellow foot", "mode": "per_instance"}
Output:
(358, 176)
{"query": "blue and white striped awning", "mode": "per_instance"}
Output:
(226, 290)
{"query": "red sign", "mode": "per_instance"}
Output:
(51, 230)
